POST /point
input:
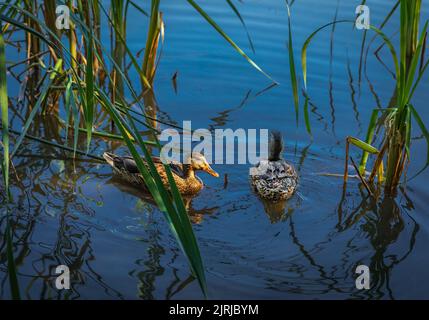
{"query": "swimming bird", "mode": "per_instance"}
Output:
(184, 174)
(274, 178)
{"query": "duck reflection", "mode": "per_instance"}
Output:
(195, 215)
(276, 211)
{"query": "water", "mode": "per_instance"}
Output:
(118, 244)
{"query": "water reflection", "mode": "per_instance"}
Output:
(196, 215)
(382, 222)
(49, 191)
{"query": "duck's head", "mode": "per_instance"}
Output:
(198, 162)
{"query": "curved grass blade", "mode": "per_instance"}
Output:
(227, 38)
(36, 107)
(307, 43)
(4, 103)
(237, 13)
(391, 48)
(422, 71)
(425, 133)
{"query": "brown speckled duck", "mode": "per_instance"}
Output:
(184, 174)
(274, 179)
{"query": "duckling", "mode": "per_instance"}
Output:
(184, 174)
(274, 179)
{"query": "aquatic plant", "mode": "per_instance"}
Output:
(67, 69)
(4, 104)
(396, 119)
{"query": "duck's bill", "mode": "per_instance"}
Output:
(211, 172)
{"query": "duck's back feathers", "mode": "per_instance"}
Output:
(127, 169)
(274, 179)
(129, 165)
(121, 163)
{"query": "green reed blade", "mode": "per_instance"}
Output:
(67, 106)
(178, 216)
(227, 38)
(237, 13)
(413, 65)
(307, 43)
(292, 69)
(59, 146)
(363, 145)
(76, 120)
(135, 5)
(407, 124)
(421, 73)
(89, 77)
(425, 133)
(4, 111)
(124, 129)
(174, 214)
(307, 116)
(183, 235)
(39, 103)
(127, 49)
(4, 103)
(369, 137)
(150, 53)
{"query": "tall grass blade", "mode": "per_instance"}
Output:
(39, 103)
(89, 77)
(4, 103)
(237, 13)
(307, 43)
(4, 111)
(154, 31)
(292, 71)
(227, 38)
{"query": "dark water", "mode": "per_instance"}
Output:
(118, 244)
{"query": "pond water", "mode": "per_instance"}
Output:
(118, 244)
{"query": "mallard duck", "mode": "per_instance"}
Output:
(184, 174)
(274, 179)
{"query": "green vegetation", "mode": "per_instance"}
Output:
(396, 119)
(73, 70)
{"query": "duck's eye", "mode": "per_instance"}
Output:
(269, 171)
